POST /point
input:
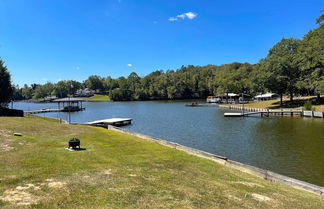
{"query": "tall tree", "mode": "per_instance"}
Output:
(6, 89)
(94, 82)
(27, 92)
(320, 19)
(280, 67)
(311, 59)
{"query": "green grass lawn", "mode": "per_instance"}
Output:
(122, 171)
(97, 98)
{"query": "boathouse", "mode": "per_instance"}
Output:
(230, 98)
(70, 104)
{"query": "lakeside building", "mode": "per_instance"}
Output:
(50, 98)
(84, 93)
(230, 98)
(267, 96)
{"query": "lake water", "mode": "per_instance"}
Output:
(291, 146)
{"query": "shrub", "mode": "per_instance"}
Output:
(308, 105)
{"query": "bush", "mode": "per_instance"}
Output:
(308, 105)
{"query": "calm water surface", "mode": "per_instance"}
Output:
(289, 146)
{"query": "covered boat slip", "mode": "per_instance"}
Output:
(229, 98)
(63, 105)
(112, 121)
(70, 104)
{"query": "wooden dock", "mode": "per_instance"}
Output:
(248, 111)
(112, 121)
(201, 105)
(266, 113)
(44, 111)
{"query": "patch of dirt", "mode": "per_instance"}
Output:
(5, 141)
(261, 198)
(6, 147)
(23, 194)
(232, 197)
(12, 176)
(5, 133)
(28, 186)
(56, 184)
(20, 196)
(107, 172)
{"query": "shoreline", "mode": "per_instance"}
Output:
(262, 173)
(255, 171)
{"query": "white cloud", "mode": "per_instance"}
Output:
(189, 15)
(77, 68)
(129, 65)
(182, 16)
(173, 19)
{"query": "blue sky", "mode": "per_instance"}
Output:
(52, 40)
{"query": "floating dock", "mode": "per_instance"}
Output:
(233, 114)
(266, 113)
(201, 105)
(112, 121)
(44, 111)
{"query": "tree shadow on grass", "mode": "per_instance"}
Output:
(297, 103)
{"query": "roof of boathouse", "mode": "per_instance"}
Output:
(73, 99)
(265, 95)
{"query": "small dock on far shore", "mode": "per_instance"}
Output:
(194, 104)
(112, 121)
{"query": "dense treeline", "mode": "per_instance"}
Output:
(186, 83)
(5, 85)
(292, 67)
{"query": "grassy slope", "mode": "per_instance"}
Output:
(275, 104)
(121, 171)
(97, 98)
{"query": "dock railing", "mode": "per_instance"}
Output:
(276, 112)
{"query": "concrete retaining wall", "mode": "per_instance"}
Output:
(307, 113)
(318, 114)
(265, 174)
